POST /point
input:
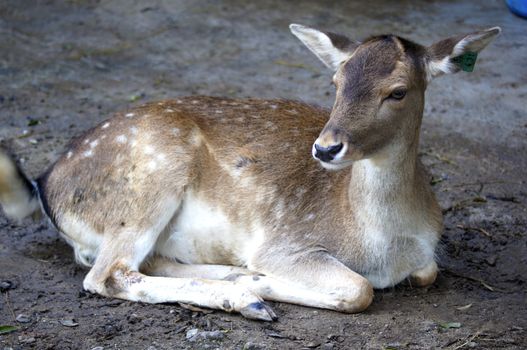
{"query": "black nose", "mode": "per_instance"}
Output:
(327, 154)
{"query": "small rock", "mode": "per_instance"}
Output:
(428, 326)
(491, 260)
(195, 335)
(151, 347)
(133, 319)
(253, 346)
(472, 344)
(69, 323)
(312, 345)
(192, 332)
(97, 348)
(26, 339)
(328, 346)
(23, 318)
(6, 285)
(216, 335)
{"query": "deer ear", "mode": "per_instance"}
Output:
(457, 53)
(332, 49)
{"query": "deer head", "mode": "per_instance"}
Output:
(380, 86)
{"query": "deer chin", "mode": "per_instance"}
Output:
(336, 165)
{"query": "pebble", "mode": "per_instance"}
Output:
(97, 348)
(6, 285)
(69, 323)
(195, 335)
(192, 332)
(133, 319)
(253, 346)
(26, 339)
(312, 345)
(23, 318)
(491, 260)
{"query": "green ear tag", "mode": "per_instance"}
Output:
(466, 61)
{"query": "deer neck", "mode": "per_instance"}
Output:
(384, 188)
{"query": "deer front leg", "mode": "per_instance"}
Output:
(313, 278)
(115, 274)
(336, 288)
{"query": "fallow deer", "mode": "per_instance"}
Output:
(216, 202)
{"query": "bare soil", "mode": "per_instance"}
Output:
(65, 65)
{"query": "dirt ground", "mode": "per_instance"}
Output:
(65, 65)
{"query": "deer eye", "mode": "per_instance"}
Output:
(398, 94)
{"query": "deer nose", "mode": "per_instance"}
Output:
(327, 154)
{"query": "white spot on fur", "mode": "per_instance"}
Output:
(69, 154)
(152, 165)
(86, 141)
(121, 139)
(271, 126)
(88, 153)
(169, 110)
(273, 106)
(148, 149)
(94, 144)
(133, 130)
(219, 111)
(161, 157)
(130, 115)
(175, 131)
(105, 125)
(299, 192)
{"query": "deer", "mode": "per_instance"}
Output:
(229, 203)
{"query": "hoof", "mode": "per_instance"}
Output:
(259, 311)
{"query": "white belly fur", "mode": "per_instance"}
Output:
(203, 234)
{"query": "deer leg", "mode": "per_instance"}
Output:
(425, 276)
(330, 286)
(160, 266)
(116, 274)
(312, 278)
